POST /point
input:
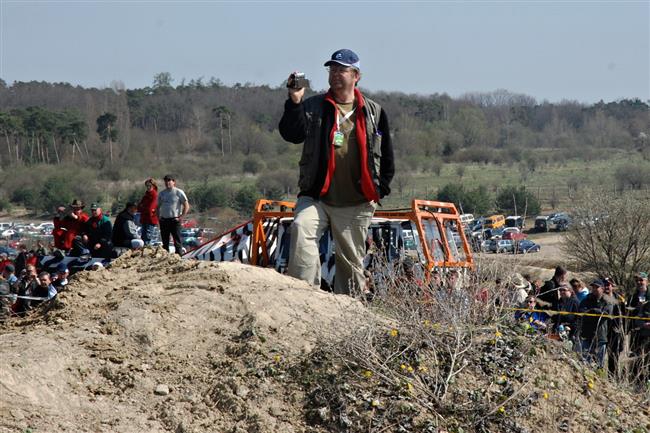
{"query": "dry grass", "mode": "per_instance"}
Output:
(449, 358)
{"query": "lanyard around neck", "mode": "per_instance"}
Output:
(346, 117)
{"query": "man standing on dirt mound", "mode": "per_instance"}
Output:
(172, 207)
(345, 169)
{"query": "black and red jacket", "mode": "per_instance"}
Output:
(312, 122)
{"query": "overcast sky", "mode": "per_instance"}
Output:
(584, 51)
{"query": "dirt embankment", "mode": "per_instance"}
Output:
(152, 345)
(157, 344)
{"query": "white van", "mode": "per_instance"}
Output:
(467, 218)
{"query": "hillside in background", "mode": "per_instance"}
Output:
(59, 139)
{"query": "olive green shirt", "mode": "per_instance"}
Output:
(344, 187)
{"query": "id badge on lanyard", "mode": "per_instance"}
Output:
(338, 135)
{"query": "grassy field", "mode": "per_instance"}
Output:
(559, 180)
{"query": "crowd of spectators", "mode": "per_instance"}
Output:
(601, 321)
(75, 233)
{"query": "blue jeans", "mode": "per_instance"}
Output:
(148, 233)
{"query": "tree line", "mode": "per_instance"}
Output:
(204, 129)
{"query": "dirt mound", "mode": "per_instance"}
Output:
(155, 343)
(158, 344)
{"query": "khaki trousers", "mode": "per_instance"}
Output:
(349, 226)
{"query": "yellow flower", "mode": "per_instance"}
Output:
(498, 334)
(367, 374)
(393, 333)
(618, 412)
(409, 386)
(590, 385)
(423, 368)
(545, 395)
(435, 326)
(426, 323)
(409, 369)
(277, 358)
(502, 410)
(375, 403)
(403, 366)
(530, 319)
(503, 377)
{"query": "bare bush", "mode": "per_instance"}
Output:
(610, 235)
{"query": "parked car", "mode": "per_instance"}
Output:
(527, 246)
(492, 233)
(502, 246)
(560, 222)
(513, 233)
(8, 233)
(11, 252)
(467, 219)
(486, 246)
(495, 221)
(515, 221)
(542, 223)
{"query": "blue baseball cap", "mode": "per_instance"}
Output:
(345, 57)
(597, 283)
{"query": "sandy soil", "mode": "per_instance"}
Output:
(157, 344)
(156, 322)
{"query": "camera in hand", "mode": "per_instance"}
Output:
(297, 80)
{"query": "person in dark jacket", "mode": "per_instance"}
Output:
(125, 232)
(617, 327)
(345, 169)
(568, 303)
(640, 329)
(549, 294)
(148, 211)
(593, 328)
(98, 233)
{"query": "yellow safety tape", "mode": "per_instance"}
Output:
(569, 313)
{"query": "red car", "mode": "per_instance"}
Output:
(514, 236)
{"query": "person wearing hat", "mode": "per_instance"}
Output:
(69, 226)
(172, 207)
(593, 327)
(98, 233)
(125, 232)
(521, 288)
(60, 277)
(568, 304)
(147, 208)
(346, 168)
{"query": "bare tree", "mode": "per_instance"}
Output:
(610, 235)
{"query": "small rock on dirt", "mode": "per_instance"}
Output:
(162, 389)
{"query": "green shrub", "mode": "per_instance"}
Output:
(204, 197)
(518, 200)
(245, 199)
